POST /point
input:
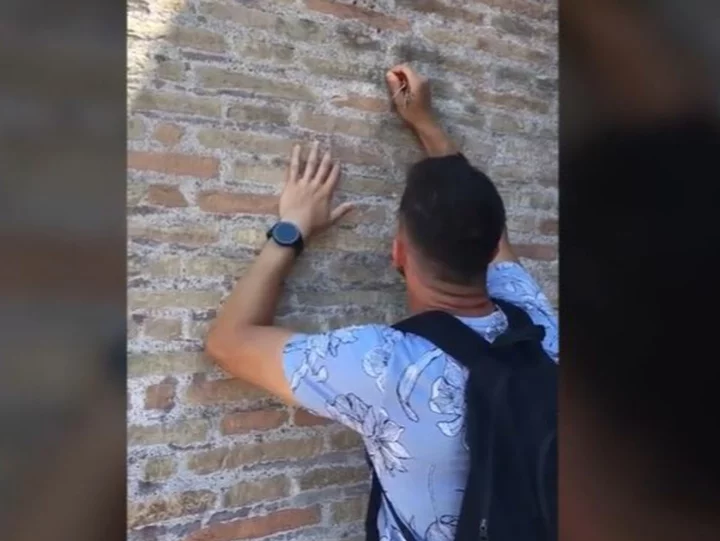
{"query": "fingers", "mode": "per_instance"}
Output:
(340, 211)
(332, 179)
(312, 163)
(323, 170)
(393, 82)
(324, 176)
(404, 71)
(294, 170)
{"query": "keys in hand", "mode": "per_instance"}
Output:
(409, 94)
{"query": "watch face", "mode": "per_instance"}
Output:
(286, 233)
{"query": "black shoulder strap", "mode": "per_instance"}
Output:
(520, 327)
(461, 342)
(447, 333)
(374, 503)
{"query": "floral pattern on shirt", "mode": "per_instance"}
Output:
(405, 398)
(381, 435)
(448, 398)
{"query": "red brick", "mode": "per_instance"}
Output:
(161, 396)
(165, 195)
(549, 226)
(168, 134)
(236, 203)
(256, 527)
(174, 164)
(444, 10)
(246, 421)
(541, 252)
(362, 103)
(304, 418)
(368, 16)
(221, 391)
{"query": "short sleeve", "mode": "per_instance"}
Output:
(335, 373)
(511, 282)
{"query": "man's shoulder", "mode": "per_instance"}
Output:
(355, 336)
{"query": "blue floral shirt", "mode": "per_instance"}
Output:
(401, 392)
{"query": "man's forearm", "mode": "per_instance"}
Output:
(434, 140)
(255, 297)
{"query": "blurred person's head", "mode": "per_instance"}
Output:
(451, 220)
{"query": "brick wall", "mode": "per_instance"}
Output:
(218, 93)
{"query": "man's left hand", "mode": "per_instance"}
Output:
(307, 197)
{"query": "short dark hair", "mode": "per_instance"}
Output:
(454, 216)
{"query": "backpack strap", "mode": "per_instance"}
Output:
(520, 327)
(374, 504)
(465, 345)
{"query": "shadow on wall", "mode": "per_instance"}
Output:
(218, 92)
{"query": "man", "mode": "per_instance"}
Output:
(451, 249)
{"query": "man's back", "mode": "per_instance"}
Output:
(406, 399)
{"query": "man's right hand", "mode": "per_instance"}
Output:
(410, 95)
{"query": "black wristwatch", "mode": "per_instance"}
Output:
(287, 234)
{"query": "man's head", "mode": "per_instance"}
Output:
(450, 222)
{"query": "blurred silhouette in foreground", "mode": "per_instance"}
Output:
(62, 274)
(638, 457)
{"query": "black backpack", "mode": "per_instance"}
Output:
(511, 430)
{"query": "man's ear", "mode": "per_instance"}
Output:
(398, 252)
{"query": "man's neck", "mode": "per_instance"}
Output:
(464, 301)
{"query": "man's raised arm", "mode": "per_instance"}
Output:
(411, 98)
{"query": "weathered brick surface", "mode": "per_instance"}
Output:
(262, 490)
(247, 421)
(161, 396)
(267, 452)
(160, 468)
(349, 510)
(174, 164)
(168, 134)
(155, 510)
(324, 477)
(259, 526)
(218, 92)
(305, 418)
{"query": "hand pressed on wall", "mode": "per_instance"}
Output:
(306, 199)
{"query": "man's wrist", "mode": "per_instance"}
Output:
(302, 226)
(424, 124)
(277, 260)
(434, 140)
